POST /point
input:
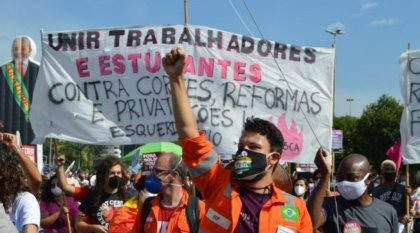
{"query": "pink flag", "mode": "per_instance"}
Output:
(395, 154)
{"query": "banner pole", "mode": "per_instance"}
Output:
(185, 12)
(407, 181)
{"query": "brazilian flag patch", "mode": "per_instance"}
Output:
(289, 213)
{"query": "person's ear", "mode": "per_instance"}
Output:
(368, 180)
(274, 158)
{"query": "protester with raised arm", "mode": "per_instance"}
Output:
(30, 170)
(77, 192)
(243, 199)
(354, 210)
(20, 205)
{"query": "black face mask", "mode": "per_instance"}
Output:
(389, 176)
(114, 182)
(249, 165)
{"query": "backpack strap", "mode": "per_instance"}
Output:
(193, 213)
(145, 209)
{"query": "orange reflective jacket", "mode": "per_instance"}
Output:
(177, 223)
(281, 213)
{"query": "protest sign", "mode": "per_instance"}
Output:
(337, 141)
(410, 120)
(108, 87)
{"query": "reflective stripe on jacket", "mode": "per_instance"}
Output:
(281, 213)
(177, 223)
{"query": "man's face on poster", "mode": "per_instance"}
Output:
(21, 49)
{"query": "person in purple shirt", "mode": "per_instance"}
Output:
(54, 207)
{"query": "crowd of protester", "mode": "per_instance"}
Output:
(196, 192)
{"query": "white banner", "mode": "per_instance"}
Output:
(108, 86)
(410, 120)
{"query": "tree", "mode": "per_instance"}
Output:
(348, 125)
(377, 129)
(83, 154)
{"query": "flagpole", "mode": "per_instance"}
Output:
(185, 12)
(407, 179)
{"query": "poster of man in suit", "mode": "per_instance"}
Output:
(17, 82)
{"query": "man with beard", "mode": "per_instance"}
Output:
(243, 198)
(392, 192)
(17, 82)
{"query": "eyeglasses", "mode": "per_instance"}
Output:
(157, 171)
(55, 185)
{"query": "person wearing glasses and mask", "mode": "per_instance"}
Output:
(173, 209)
(54, 208)
(354, 210)
(108, 194)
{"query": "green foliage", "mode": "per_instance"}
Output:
(377, 129)
(83, 154)
(374, 132)
(348, 125)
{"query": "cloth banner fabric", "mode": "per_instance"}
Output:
(410, 119)
(109, 87)
(394, 153)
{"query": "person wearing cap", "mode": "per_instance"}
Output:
(243, 198)
(392, 192)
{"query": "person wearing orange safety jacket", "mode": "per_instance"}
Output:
(173, 210)
(243, 198)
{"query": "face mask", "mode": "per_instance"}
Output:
(299, 190)
(145, 194)
(249, 164)
(352, 190)
(92, 180)
(154, 185)
(114, 182)
(56, 191)
(389, 176)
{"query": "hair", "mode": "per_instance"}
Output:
(102, 173)
(141, 183)
(176, 165)
(267, 129)
(306, 184)
(388, 162)
(46, 194)
(12, 178)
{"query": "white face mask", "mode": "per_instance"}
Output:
(56, 191)
(145, 194)
(352, 190)
(299, 190)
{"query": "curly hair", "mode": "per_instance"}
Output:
(267, 129)
(46, 194)
(102, 173)
(12, 178)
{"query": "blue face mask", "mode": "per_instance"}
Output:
(153, 184)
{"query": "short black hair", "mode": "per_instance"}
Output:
(267, 129)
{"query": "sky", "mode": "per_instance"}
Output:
(376, 32)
